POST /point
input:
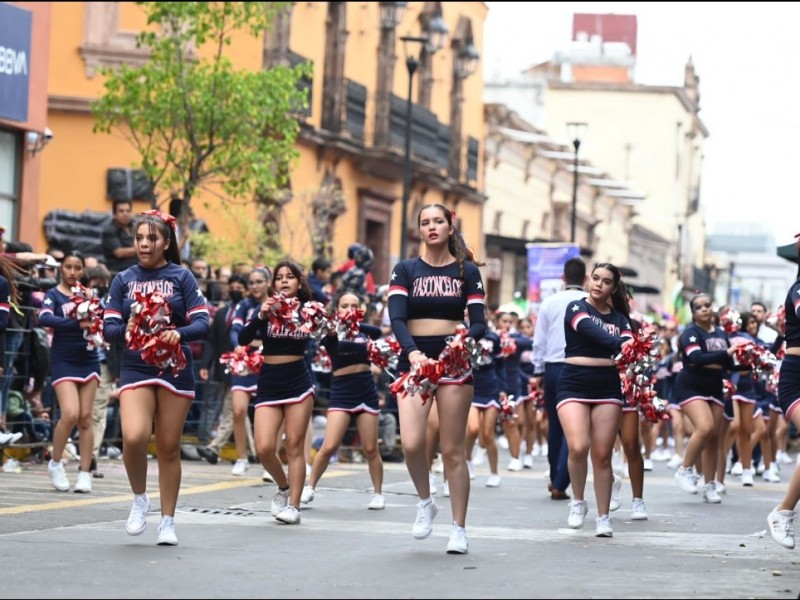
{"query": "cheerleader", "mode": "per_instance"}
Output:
(285, 391)
(148, 395)
(353, 394)
(74, 373)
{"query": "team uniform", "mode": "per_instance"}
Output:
(189, 315)
(245, 311)
(489, 378)
(698, 348)
(421, 291)
(514, 389)
(70, 359)
(592, 334)
(287, 383)
(354, 392)
(525, 367)
(789, 381)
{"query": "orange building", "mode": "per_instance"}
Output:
(348, 182)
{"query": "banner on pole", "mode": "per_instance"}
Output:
(546, 269)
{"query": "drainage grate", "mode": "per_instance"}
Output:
(219, 511)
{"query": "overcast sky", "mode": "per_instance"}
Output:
(746, 55)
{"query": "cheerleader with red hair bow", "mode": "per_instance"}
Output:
(149, 393)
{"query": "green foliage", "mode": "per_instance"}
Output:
(197, 122)
(245, 240)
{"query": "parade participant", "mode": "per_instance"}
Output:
(427, 299)
(244, 387)
(781, 519)
(589, 399)
(74, 374)
(285, 392)
(353, 394)
(149, 395)
(705, 352)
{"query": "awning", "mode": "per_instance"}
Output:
(789, 252)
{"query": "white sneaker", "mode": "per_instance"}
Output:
(616, 494)
(648, 464)
(307, 495)
(12, 465)
(471, 470)
(166, 532)
(685, 478)
(438, 465)
(737, 468)
(239, 467)
(478, 456)
(760, 468)
(432, 482)
(545, 449)
(747, 478)
(289, 515)
(603, 526)
(84, 483)
(514, 464)
(527, 461)
(9, 438)
(710, 494)
(638, 510)
(537, 450)
(457, 544)
(493, 481)
(577, 513)
(378, 502)
(279, 502)
(781, 526)
(783, 457)
(771, 475)
(137, 519)
(266, 477)
(721, 489)
(423, 524)
(675, 461)
(446, 489)
(58, 476)
(502, 441)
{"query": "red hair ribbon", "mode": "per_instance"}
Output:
(168, 219)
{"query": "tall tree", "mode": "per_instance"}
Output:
(197, 122)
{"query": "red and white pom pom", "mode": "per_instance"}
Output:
(535, 393)
(422, 380)
(385, 352)
(346, 324)
(242, 361)
(507, 412)
(730, 320)
(507, 344)
(459, 353)
(316, 320)
(151, 314)
(88, 307)
(284, 312)
(728, 389)
(322, 361)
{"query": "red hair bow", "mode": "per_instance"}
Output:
(168, 219)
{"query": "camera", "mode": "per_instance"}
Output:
(48, 135)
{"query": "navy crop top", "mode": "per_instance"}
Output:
(792, 306)
(345, 353)
(275, 341)
(421, 291)
(590, 333)
(698, 347)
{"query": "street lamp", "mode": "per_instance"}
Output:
(575, 130)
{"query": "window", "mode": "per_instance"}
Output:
(9, 181)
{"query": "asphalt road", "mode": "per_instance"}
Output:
(67, 545)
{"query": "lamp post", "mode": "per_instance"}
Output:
(575, 131)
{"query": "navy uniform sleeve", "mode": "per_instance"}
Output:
(251, 330)
(239, 318)
(5, 303)
(476, 306)
(113, 323)
(48, 317)
(398, 307)
(578, 319)
(196, 309)
(370, 331)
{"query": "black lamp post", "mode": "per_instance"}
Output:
(575, 131)
(437, 32)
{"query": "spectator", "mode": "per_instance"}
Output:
(118, 250)
(320, 276)
(355, 278)
(352, 251)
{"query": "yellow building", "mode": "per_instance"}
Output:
(347, 185)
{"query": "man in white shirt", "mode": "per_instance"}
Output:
(765, 332)
(548, 359)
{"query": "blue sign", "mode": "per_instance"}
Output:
(15, 57)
